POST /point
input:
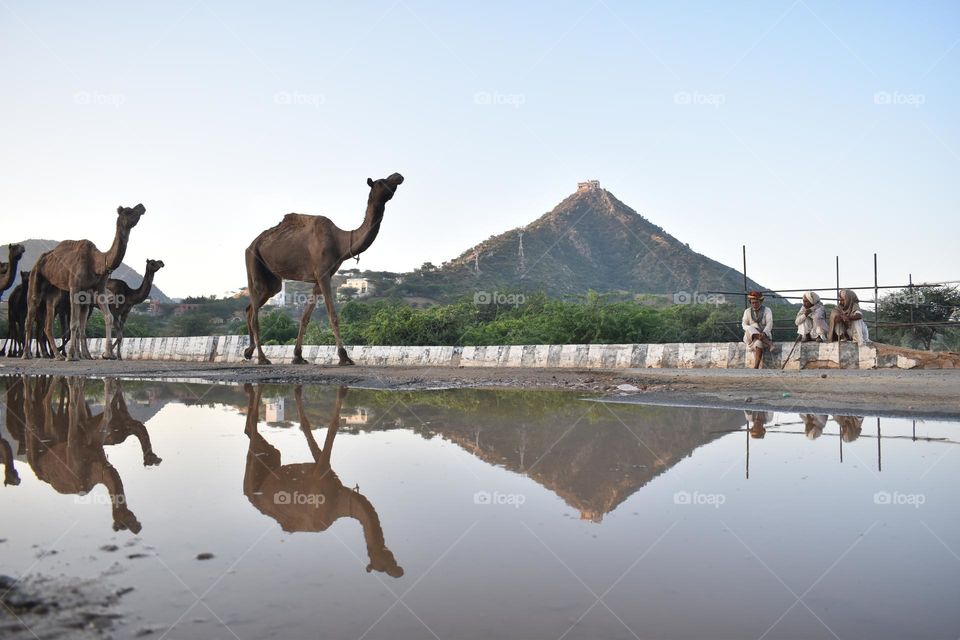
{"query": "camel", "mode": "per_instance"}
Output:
(8, 270)
(309, 496)
(309, 249)
(17, 317)
(123, 298)
(10, 475)
(16, 420)
(65, 444)
(8, 275)
(78, 267)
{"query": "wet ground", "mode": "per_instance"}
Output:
(180, 510)
(930, 393)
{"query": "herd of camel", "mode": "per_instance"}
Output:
(67, 282)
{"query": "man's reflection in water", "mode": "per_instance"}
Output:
(757, 421)
(850, 427)
(65, 440)
(308, 496)
(813, 424)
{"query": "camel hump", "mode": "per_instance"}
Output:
(296, 219)
(73, 245)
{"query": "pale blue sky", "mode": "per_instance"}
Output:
(704, 116)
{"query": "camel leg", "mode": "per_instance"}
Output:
(76, 319)
(253, 324)
(263, 459)
(16, 335)
(64, 317)
(33, 304)
(304, 321)
(121, 320)
(48, 335)
(108, 325)
(82, 345)
(73, 352)
(261, 284)
(324, 284)
(320, 456)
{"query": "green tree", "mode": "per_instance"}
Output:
(922, 304)
(276, 327)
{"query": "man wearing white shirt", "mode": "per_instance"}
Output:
(757, 327)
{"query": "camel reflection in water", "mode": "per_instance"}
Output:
(309, 496)
(10, 475)
(64, 440)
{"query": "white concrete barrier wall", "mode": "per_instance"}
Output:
(723, 355)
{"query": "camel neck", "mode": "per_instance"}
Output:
(140, 293)
(363, 511)
(114, 256)
(360, 239)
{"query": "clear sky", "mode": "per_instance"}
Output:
(804, 128)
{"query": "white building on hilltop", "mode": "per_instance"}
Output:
(588, 185)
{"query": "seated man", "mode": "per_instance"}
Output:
(812, 319)
(846, 321)
(813, 424)
(757, 325)
(757, 422)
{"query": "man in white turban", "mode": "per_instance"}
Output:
(812, 319)
(757, 323)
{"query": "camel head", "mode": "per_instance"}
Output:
(383, 189)
(384, 561)
(16, 250)
(130, 216)
(24, 277)
(154, 265)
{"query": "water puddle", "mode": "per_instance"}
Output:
(190, 510)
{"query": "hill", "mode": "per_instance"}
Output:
(34, 248)
(591, 240)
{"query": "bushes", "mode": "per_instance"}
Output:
(537, 320)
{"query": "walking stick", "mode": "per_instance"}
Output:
(795, 343)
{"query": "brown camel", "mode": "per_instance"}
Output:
(65, 443)
(78, 267)
(17, 317)
(16, 420)
(309, 249)
(123, 298)
(8, 270)
(309, 496)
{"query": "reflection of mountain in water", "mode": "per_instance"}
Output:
(592, 455)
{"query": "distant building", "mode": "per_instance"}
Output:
(588, 185)
(185, 307)
(359, 416)
(273, 410)
(362, 286)
(280, 299)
